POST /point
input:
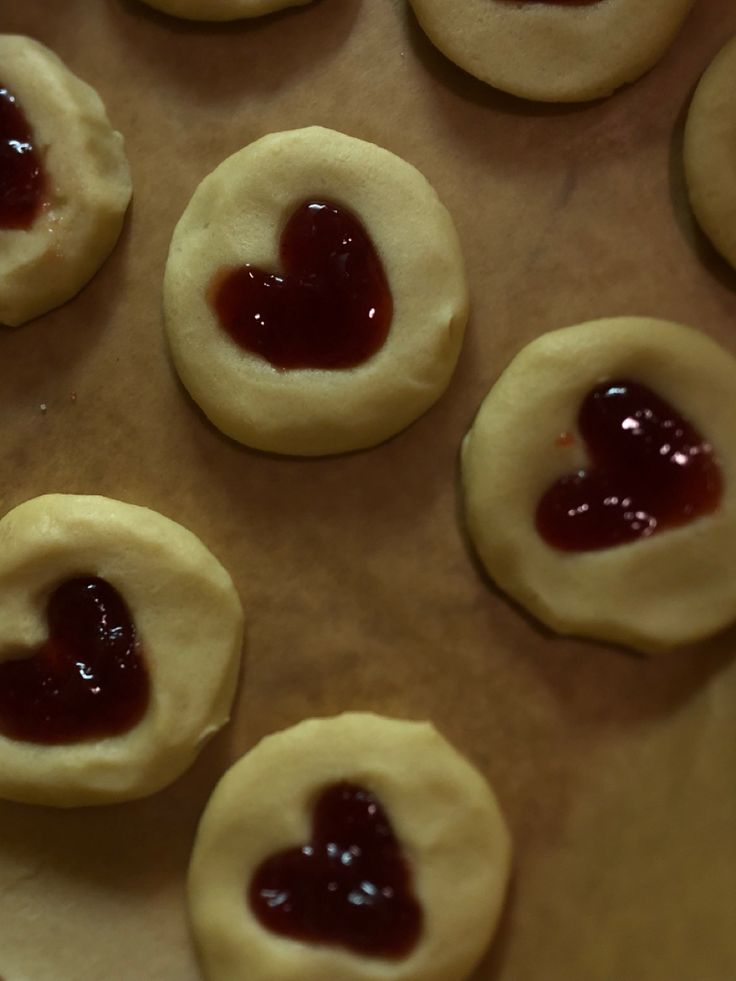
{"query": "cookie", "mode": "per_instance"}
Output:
(64, 181)
(355, 847)
(550, 50)
(710, 153)
(599, 482)
(213, 10)
(120, 638)
(315, 296)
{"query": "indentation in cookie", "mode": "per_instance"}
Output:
(349, 886)
(88, 680)
(330, 308)
(650, 470)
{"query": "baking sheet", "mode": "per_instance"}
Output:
(616, 772)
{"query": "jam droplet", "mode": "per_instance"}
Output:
(87, 681)
(349, 887)
(650, 470)
(22, 180)
(331, 307)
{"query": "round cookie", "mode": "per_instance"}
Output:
(553, 51)
(214, 10)
(188, 628)
(236, 217)
(710, 153)
(670, 588)
(86, 180)
(441, 811)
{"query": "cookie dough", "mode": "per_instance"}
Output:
(213, 10)
(236, 217)
(442, 812)
(189, 625)
(87, 184)
(672, 588)
(551, 51)
(710, 153)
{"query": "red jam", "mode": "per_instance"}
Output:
(330, 308)
(650, 470)
(22, 180)
(87, 680)
(349, 887)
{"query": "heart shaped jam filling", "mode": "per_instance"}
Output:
(22, 180)
(87, 680)
(650, 470)
(331, 307)
(349, 887)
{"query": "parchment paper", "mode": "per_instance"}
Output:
(616, 772)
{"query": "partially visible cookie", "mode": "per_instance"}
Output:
(214, 10)
(64, 181)
(355, 847)
(315, 294)
(710, 152)
(549, 50)
(600, 482)
(120, 639)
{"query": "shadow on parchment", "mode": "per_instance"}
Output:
(218, 61)
(471, 89)
(136, 847)
(606, 685)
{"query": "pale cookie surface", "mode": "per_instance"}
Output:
(443, 814)
(710, 153)
(87, 184)
(213, 10)
(672, 588)
(553, 52)
(236, 217)
(188, 620)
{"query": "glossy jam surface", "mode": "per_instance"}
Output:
(22, 180)
(330, 307)
(350, 886)
(650, 470)
(88, 680)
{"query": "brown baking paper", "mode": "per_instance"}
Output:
(616, 772)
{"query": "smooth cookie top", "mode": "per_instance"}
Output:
(710, 152)
(553, 51)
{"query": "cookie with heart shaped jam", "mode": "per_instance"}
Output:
(599, 482)
(710, 153)
(315, 296)
(64, 181)
(120, 639)
(355, 847)
(219, 10)
(553, 50)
